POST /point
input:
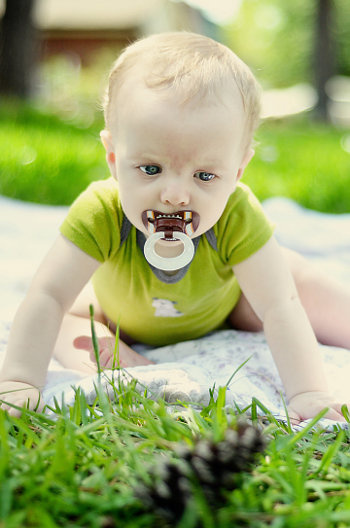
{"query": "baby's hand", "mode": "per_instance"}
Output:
(19, 394)
(127, 356)
(309, 404)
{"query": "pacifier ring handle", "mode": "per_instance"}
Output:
(173, 263)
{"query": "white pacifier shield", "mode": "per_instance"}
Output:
(173, 263)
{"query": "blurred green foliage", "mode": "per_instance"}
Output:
(46, 159)
(73, 91)
(277, 39)
(306, 161)
(51, 148)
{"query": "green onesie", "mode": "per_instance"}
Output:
(151, 306)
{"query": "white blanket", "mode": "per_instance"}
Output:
(185, 371)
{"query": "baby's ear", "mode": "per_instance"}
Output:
(107, 142)
(248, 156)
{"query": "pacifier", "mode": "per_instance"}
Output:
(170, 227)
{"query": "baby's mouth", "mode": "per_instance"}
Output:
(183, 221)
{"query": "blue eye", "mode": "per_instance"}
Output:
(150, 170)
(204, 176)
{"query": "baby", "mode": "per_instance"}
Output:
(176, 246)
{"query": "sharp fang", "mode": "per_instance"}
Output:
(189, 229)
(150, 221)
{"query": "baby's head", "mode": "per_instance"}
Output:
(180, 115)
(190, 66)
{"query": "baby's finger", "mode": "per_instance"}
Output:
(338, 408)
(107, 359)
(4, 406)
(12, 411)
(333, 414)
(104, 357)
(293, 416)
(83, 343)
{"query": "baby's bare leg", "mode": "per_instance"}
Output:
(326, 302)
(77, 324)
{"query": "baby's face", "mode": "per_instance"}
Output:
(171, 158)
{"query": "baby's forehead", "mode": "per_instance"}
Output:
(146, 119)
(135, 90)
(189, 86)
(137, 119)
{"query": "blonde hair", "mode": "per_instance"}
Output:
(192, 65)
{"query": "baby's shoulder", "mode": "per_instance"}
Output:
(94, 220)
(243, 226)
(242, 200)
(99, 200)
(106, 191)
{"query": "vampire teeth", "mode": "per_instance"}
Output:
(183, 215)
(178, 221)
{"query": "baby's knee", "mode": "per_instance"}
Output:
(244, 318)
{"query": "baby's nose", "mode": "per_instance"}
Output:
(175, 193)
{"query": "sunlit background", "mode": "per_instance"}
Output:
(62, 49)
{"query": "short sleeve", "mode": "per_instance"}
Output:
(94, 220)
(243, 227)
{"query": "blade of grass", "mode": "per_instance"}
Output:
(329, 455)
(116, 359)
(303, 432)
(95, 341)
(237, 370)
(289, 425)
(263, 407)
(345, 411)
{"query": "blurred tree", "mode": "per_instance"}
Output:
(341, 25)
(324, 59)
(286, 43)
(275, 38)
(17, 48)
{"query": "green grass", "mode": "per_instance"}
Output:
(85, 465)
(46, 159)
(81, 465)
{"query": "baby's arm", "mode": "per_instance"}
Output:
(34, 331)
(267, 283)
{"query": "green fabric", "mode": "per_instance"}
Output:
(148, 309)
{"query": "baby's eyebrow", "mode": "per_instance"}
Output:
(146, 157)
(209, 167)
(143, 160)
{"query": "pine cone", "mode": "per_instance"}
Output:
(211, 466)
(170, 490)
